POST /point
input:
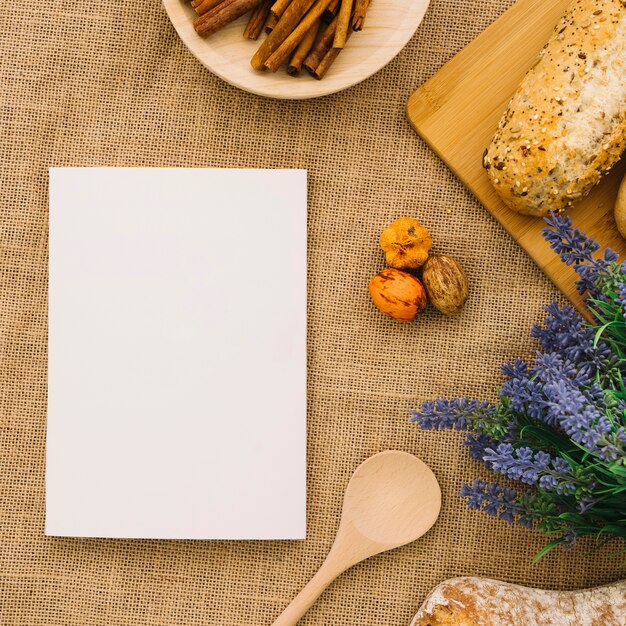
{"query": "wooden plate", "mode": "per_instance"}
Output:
(389, 26)
(457, 112)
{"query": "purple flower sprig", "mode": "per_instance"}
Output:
(461, 414)
(509, 505)
(565, 334)
(533, 468)
(558, 427)
(578, 250)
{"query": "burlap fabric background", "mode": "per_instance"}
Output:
(110, 84)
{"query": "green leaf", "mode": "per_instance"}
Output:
(613, 529)
(617, 469)
(546, 549)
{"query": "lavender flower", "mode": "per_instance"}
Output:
(492, 499)
(565, 332)
(569, 537)
(576, 249)
(477, 445)
(499, 501)
(581, 414)
(620, 298)
(560, 392)
(572, 245)
(524, 393)
(559, 426)
(585, 503)
(459, 414)
(531, 468)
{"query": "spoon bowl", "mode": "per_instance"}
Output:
(392, 499)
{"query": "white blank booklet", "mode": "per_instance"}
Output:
(177, 354)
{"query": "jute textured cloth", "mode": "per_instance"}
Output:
(110, 84)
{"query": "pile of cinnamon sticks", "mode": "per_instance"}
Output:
(300, 33)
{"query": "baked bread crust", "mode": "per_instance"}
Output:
(472, 601)
(566, 124)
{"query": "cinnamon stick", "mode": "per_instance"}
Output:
(223, 15)
(326, 62)
(331, 10)
(270, 25)
(210, 14)
(321, 47)
(206, 5)
(360, 9)
(323, 55)
(257, 20)
(278, 57)
(343, 23)
(286, 25)
(279, 7)
(295, 65)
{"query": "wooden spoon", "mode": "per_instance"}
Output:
(393, 498)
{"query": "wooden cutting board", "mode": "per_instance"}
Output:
(457, 111)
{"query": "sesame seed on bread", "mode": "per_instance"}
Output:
(565, 126)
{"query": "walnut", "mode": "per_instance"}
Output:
(446, 283)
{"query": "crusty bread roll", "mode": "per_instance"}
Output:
(483, 602)
(566, 124)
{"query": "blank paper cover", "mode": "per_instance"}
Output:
(177, 354)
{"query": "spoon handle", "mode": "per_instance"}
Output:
(329, 570)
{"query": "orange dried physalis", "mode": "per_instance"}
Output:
(398, 294)
(406, 243)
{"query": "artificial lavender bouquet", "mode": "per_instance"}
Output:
(559, 426)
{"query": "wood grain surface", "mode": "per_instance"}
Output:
(388, 27)
(457, 111)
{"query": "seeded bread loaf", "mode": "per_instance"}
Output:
(482, 602)
(566, 124)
